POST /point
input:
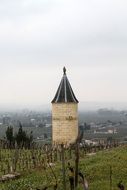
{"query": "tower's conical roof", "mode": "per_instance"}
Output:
(64, 93)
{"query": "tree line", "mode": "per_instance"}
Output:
(19, 139)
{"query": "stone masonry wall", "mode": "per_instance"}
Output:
(64, 122)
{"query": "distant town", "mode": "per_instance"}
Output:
(100, 125)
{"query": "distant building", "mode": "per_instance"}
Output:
(64, 113)
(6, 120)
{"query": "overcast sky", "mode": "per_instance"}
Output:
(39, 37)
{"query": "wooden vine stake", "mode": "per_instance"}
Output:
(110, 177)
(63, 166)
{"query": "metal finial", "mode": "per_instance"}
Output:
(64, 71)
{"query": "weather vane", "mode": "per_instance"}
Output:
(64, 71)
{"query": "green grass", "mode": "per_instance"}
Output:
(96, 169)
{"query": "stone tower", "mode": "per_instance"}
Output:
(64, 113)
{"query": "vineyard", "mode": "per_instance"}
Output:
(41, 168)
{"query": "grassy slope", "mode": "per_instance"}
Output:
(96, 169)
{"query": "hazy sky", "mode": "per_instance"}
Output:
(39, 37)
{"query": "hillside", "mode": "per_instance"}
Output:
(95, 167)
